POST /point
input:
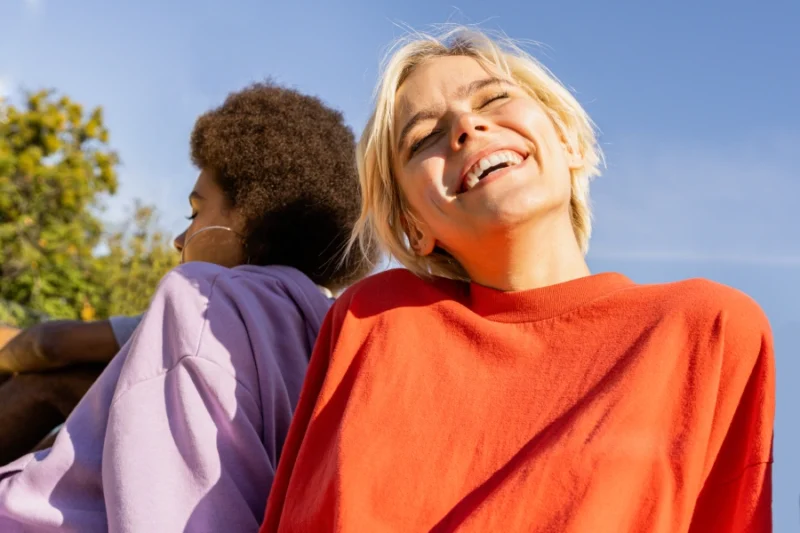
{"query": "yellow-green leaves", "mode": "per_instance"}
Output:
(56, 260)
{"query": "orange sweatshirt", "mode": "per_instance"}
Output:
(593, 405)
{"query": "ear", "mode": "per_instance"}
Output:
(574, 154)
(419, 237)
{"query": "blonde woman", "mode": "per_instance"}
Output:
(496, 384)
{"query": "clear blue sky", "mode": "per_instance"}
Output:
(697, 102)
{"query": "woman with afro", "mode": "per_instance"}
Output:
(183, 429)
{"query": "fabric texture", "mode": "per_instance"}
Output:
(123, 327)
(591, 405)
(183, 430)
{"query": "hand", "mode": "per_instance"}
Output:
(25, 352)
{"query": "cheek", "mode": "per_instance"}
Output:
(534, 123)
(530, 120)
(539, 127)
(218, 217)
(423, 185)
(191, 228)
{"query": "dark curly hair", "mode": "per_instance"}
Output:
(286, 162)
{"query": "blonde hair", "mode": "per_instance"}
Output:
(385, 216)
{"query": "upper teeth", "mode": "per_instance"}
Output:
(477, 170)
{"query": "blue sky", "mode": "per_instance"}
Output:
(697, 103)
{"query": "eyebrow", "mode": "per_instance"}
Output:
(462, 92)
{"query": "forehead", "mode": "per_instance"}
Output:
(436, 81)
(206, 186)
(205, 181)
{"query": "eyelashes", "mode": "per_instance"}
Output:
(498, 96)
(414, 148)
(417, 145)
(192, 216)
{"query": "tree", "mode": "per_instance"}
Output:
(135, 257)
(55, 166)
(15, 315)
(139, 254)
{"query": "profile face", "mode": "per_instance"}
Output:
(205, 239)
(475, 155)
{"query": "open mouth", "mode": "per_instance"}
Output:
(487, 165)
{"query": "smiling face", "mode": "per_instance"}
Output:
(476, 157)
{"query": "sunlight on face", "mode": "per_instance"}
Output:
(202, 241)
(476, 156)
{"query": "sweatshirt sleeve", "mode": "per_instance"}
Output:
(737, 495)
(60, 489)
(287, 474)
(173, 435)
(123, 327)
(183, 453)
(183, 447)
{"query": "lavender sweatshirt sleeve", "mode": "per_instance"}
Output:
(123, 327)
(182, 431)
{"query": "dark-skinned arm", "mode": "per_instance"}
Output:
(6, 334)
(57, 344)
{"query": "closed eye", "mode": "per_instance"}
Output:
(192, 216)
(421, 143)
(498, 96)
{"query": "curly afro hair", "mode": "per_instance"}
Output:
(286, 162)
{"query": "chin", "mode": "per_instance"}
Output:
(516, 212)
(517, 205)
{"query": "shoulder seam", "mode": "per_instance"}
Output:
(196, 353)
(178, 363)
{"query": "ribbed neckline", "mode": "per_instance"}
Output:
(545, 302)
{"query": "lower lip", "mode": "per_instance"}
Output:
(496, 175)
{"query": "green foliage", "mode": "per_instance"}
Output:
(139, 255)
(54, 165)
(55, 169)
(15, 315)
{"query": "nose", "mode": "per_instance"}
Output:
(179, 242)
(465, 127)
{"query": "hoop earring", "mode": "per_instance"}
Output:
(201, 230)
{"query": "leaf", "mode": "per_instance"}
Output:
(54, 172)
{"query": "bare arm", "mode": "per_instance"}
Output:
(57, 344)
(6, 334)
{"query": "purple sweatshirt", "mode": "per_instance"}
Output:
(183, 430)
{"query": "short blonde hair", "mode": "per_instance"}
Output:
(384, 211)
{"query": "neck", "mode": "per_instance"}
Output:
(527, 259)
